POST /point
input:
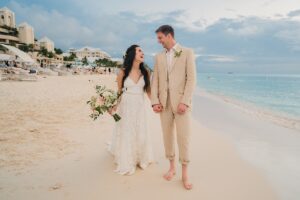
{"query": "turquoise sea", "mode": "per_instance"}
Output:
(279, 93)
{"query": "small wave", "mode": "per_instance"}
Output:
(252, 109)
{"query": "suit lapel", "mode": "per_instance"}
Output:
(165, 64)
(178, 49)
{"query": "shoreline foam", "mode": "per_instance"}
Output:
(279, 118)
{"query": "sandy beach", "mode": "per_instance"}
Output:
(271, 145)
(51, 149)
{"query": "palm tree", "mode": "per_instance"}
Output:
(58, 51)
(84, 61)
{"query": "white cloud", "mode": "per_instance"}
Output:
(210, 11)
(68, 31)
(53, 24)
(244, 31)
(291, 36)
(294, 13)
(217, 58)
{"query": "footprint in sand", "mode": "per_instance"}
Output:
(3, 139)
(34, 130)
(56, 186)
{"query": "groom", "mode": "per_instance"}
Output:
(172, 86)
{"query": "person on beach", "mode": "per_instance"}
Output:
(131, 143)
(174, 80)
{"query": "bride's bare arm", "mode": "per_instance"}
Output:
(120, 80)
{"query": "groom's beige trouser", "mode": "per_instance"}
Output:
(169, 120)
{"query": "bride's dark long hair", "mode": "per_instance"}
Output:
(127, 66)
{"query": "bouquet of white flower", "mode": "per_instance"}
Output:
(105, 101)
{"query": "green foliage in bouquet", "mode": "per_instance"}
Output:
(104, 101)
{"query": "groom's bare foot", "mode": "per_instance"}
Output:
(186, 184)
(170, 174)
(185, 180)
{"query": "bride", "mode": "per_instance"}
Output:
(131, 145)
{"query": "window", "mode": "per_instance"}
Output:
(9, 20)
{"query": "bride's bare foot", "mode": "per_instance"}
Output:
(186, 184)
(169, 175)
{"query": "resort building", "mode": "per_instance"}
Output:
(7, 18)
(26, 33)
(90, 53)
(8, 30)
(47, 44)
(23, 34)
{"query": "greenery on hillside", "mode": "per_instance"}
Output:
(70, 58)
(46, 53)
(104, 62)
(11, 31)
(26, 47)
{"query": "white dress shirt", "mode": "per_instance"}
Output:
(170, 57)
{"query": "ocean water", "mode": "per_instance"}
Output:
(276, 93)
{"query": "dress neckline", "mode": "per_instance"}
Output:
(133, 80)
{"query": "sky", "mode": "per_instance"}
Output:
(258, 36)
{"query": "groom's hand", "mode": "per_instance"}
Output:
(157, 108)
(181, 109)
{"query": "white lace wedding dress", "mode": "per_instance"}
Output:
(131, 142)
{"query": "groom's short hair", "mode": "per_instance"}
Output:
(165, 29)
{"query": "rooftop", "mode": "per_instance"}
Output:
(5, 9)
(45, 39)
(24, 24)
(91, 49)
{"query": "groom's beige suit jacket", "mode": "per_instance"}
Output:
(180, 80)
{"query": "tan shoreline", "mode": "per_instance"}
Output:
(51, 149)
